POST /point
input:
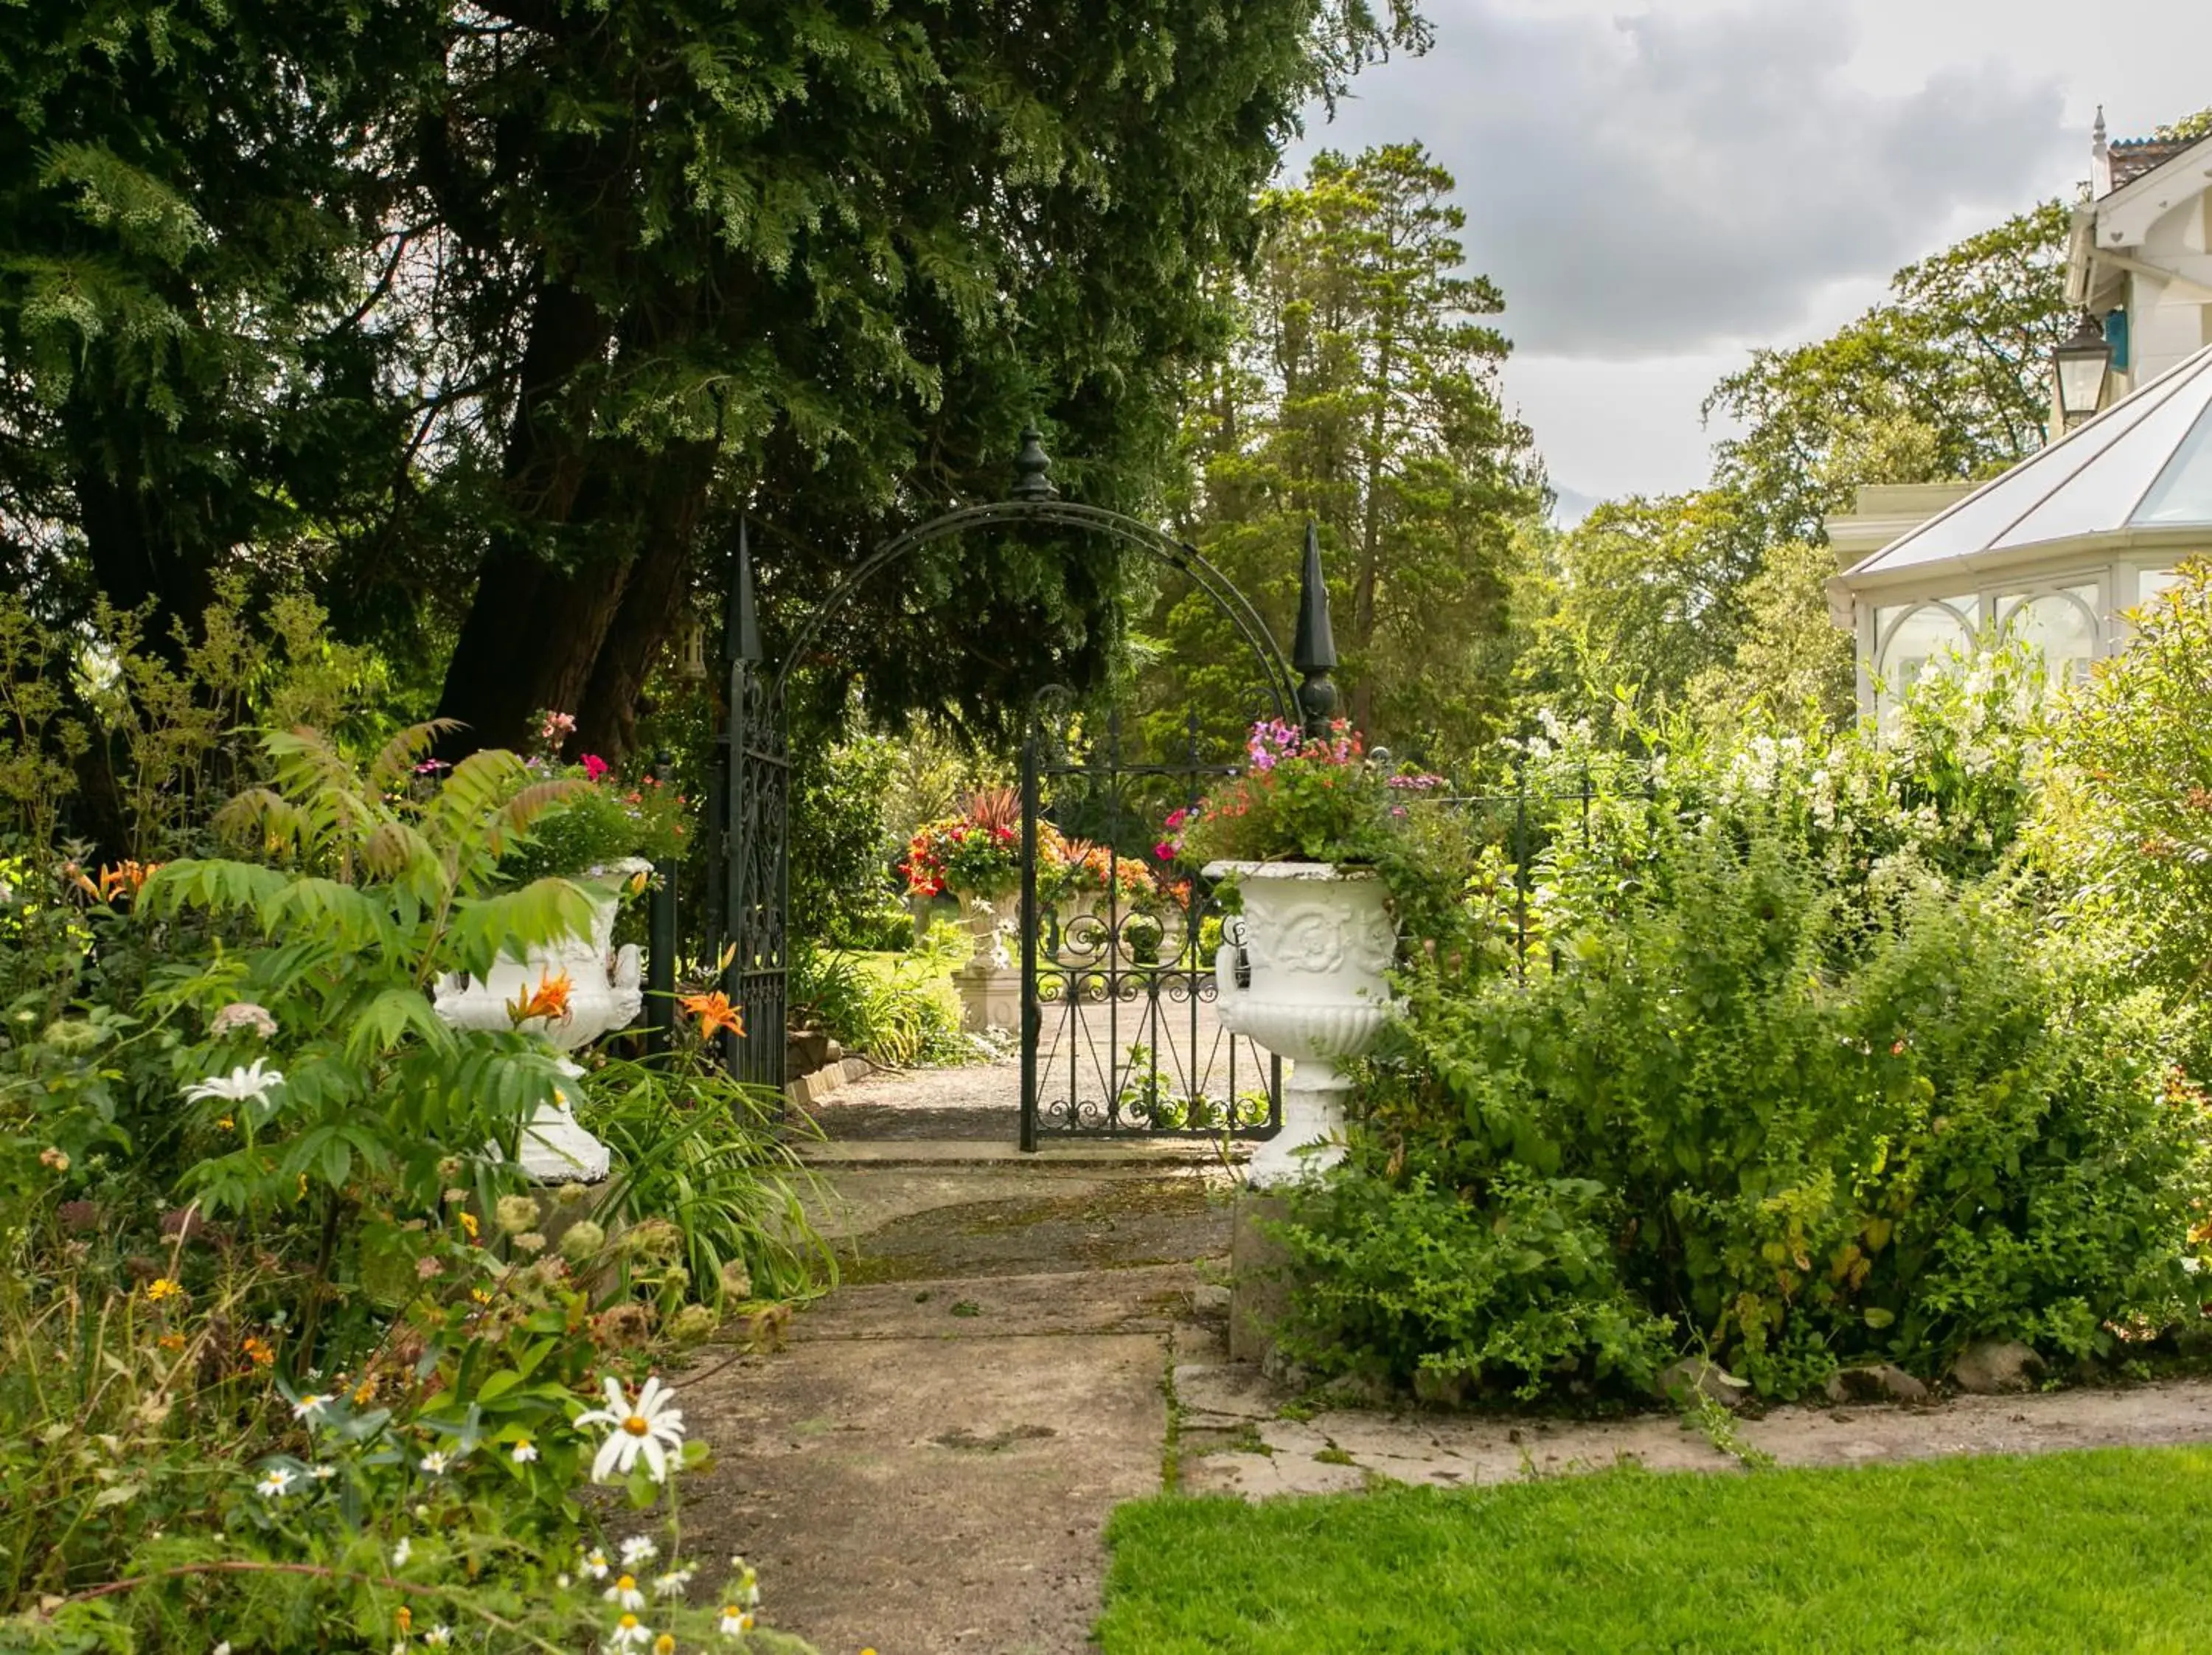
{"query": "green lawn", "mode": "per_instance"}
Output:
(2091, 1551)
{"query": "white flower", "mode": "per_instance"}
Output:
(629, 1632)
(309, 1405)
(401, 1552)
(672, 1585)
(323, 1473)
(244, 1085)
(524, 1451)
(436, 1461)
(222, 1648)
(648, 1428)
(624, 1592)
(439, 1636)
(638, 1548)
(562, 1580)
(595, 1564)
(736, 1621)
(275, 1482)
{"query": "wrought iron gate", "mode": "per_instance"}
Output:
(1118, 1029)
(1102, 987)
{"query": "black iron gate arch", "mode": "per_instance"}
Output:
(751, 815)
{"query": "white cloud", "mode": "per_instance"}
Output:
(1683, 181)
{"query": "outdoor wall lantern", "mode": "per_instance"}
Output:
(2083, 363)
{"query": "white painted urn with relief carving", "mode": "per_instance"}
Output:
(1302, 972)
(605, 992)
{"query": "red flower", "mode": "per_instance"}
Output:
(595, 767)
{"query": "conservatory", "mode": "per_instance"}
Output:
(2055, 552)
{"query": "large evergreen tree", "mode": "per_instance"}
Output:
(1362, 395)
(490, 317)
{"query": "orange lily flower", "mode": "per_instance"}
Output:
(549, 999)
(714, 1013)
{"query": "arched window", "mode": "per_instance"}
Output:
(1911, 644)
(2060, 626)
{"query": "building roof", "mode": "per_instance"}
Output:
(2132, 158)
(2145, 464)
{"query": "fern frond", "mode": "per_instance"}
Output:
(392, 766)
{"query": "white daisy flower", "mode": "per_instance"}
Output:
(439, 1636)
(629, 1632)
(672, 1585)
(401, 1552)
(249, 1083)
(524, 1451)
(595, 1564)
(624, 1592)
(736, 1620)
(435, 1462)
(638, 1548)
(648, 1428)
(322, 1473)
(310, 1407)
(275, 1482)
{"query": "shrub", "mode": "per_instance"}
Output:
(1813, 1120)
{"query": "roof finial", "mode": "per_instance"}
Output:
(2097, 136)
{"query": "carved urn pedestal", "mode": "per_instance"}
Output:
(606, 993)
(990, 983)
(1301, 972)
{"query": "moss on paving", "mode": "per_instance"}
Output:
(2080, 1551)
(1121, 1225)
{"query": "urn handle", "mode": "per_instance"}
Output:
(1232, 973)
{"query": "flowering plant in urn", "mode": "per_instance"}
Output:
(1315, 837)
(975, 856)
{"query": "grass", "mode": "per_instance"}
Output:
(2085, 1551)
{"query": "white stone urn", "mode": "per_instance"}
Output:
(1301, 973)
(989, 921)
(606, 992)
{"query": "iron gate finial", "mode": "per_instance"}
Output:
(1031, 469)
(1314, 651)
(741, 627)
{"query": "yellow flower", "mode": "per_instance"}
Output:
(664, 1645)
(172, 1342)
(482, 1295)
(469, 1224)
(162, 1287)
(259, 1351)
(225, 1123)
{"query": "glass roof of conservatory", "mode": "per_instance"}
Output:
(2144, 462)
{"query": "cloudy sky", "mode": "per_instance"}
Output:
(1660, 184)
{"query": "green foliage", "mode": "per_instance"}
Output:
(1361, 393)
(1523, 1287)
(901, 1014)
(2131, 826)
(1790, 1058)
(702, 1158)
(841, 840)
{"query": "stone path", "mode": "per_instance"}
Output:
(928, 1464)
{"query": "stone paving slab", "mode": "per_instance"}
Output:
(840, 1153)
(923, 1495)
(1237, 1441)
(1149, 1299)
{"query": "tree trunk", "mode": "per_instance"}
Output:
(532, 630)
(651, 600)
